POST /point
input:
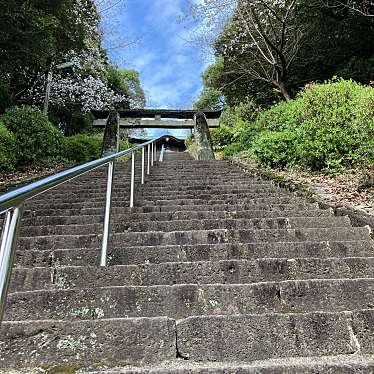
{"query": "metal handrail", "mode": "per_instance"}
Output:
(12, 204)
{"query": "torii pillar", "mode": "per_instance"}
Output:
(203, 138)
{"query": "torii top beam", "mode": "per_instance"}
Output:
(157, 118)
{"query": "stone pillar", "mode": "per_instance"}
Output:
(111, 135)
(202, 137)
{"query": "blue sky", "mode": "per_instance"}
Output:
(170, 67)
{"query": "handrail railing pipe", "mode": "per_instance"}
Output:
(12, 204)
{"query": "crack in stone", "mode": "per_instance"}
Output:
(178, 354)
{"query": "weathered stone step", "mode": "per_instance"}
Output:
(260, 337)
(118, 198)
(182, 301)
(198, 224)
(98, 189)
(203, 272)
(208, 196)
(195, 237)
(244, 338)
(217, 200)
(62, 343)
(199, 252)
(123, 201)
(339, 364)
(171, 216)
(169, 209)
(184, 185)
(208, 189)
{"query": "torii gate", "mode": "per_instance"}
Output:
(112, 121)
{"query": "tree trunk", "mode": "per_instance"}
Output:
(283, 89)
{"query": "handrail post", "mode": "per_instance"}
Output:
(132, 179)
(149, 158)
(143, 161)
(152, 155)
(8, 250)
(155, 158)
(162, 153)
(108, 206)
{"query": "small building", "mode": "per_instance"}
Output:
(171, 143)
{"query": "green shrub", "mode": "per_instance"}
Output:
(246, 111)
(327, 127)
(7, 149)
(275, 149)
(83, 148)
(232, 149)
(221, 137)
(279, 117)
(37, 140)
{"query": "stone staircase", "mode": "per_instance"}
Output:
(213, 271)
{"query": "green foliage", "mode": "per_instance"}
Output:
(236, 125)
(275, 149)
(336, 41)
(83, 148)
(211, 97)
(243, 111)
(328, 127)
(221, 137)
(36, 139)
(7, 149)
(232, 149)
(126, 82)
(34, 32)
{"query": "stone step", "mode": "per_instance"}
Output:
(67, 344)
(208, 196)
(123, 202)
(150, 197)
(172, 216)
(40, 211)
(179, 225)
(203, 272)
(192, 253)
(195, 237)
(153, 185)
(185, 300)
(209, 189)
(239, 338)
(259, 337)
(339, 364)
(216, 201)
(142, 191)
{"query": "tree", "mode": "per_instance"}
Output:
(362, 7)
(34, 34)
(212, 95)
(330, 41)
(337, 43)
(267, 34)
